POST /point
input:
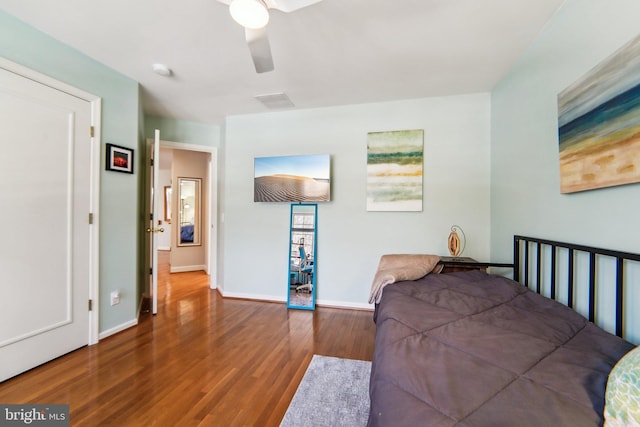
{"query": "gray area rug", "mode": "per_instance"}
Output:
(333, 392)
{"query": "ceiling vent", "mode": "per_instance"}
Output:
(275, 101)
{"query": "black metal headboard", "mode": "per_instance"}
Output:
(522, 255)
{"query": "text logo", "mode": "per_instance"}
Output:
(34, 415)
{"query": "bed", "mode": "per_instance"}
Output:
(474, 349)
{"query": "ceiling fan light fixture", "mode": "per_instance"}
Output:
(249, 13)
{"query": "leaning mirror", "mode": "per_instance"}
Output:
(302, 257)
(189, 211)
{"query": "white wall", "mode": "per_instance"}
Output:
(351, 240)
(525, 177)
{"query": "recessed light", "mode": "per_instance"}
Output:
(161, 69)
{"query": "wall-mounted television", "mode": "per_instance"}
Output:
(302, 178)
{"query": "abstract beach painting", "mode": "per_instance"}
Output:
(394, 170)
(301, 178)
(599, 124)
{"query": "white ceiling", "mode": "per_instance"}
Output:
(335, 52)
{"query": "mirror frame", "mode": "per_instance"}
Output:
(167, 204)
(197, 216)
(294, 274)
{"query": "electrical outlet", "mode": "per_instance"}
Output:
(115, 297)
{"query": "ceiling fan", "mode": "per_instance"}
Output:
(253, 15)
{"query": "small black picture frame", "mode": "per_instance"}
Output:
(119, 159)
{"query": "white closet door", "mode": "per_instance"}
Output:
(45, 170)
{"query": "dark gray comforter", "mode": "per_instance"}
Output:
(471, 349)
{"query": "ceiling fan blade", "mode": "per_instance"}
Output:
(258, 43)
(289, 5)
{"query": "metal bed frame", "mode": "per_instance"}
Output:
(521, 258)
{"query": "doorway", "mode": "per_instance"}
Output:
(176, 162)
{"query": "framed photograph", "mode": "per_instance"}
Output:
(119, 159)
(297, 178)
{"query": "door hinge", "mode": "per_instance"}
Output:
(151, 162)
(90, 305)
(151, 271)
(151, 217)
(91, 131)
(90, 218)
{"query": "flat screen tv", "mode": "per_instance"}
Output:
(304, 178)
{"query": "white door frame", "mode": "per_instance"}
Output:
(155, 195)
(94, 198)
(212, 220)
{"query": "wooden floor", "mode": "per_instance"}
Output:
(202, 360)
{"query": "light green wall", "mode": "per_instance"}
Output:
(183, 131)
(24, 45)
(525, 174)
(350, 239)
(525, 178)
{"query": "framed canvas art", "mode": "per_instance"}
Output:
(394, 170)
(297, 178)
(599, 124)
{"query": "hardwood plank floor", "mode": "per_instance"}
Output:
(201, 361)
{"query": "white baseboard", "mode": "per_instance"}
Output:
(186, 268)
(251, 296)
(321, 303)
(344, 304)
(119, 328)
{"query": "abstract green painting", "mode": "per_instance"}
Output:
(394, 170)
